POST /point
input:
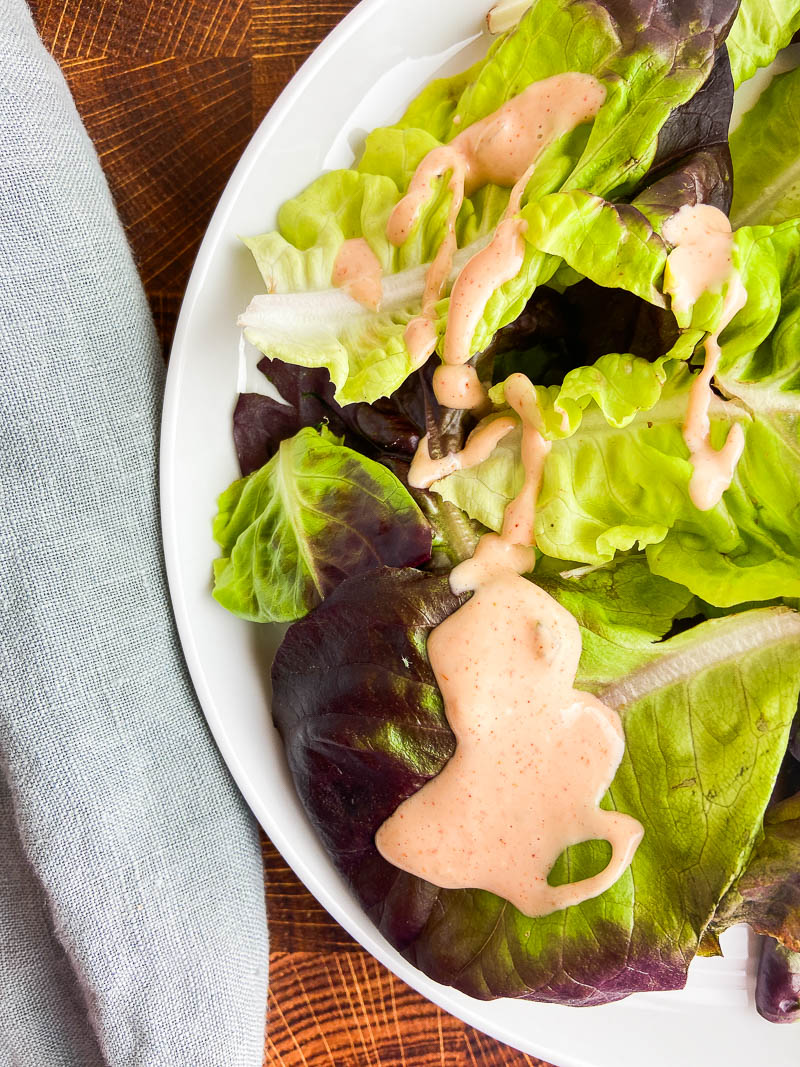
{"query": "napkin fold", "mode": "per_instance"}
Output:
(132, 925)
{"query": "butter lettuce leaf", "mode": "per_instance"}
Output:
(390, 427)
(761, 29)
(613, 245)
(766, 155)
(362, 720)
(302, 320)
(761, 363)
(619, 385)
(651, 64)
(315, 514)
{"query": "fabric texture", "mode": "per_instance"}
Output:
(132, 922)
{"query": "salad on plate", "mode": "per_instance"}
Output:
(523, 476)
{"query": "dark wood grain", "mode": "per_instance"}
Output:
(170, 92)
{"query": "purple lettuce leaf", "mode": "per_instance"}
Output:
(794, 740)
(392, 425)
(693, 162)
(380, 733)
(558, 332)
(670, 24)
(704, 177)
(778, 983)
(614, 320)
(260, 423)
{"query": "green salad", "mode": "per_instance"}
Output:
(687, 610)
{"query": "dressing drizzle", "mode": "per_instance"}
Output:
(357, 270)
(700, 262)
(483, 440)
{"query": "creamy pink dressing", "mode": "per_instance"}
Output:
(459, 387)
(534, 756)
(520, 514)
(488, 269)
(424, 470)
(701, 261)
(357, 270)
(502, 149)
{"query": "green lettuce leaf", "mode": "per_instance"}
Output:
(763, 362)
(765, 148)
(314, 515)
(649, 71)
(761, 29)
(614, 245)
(618, 385)
(762, 257)
(706, 716)
(302, 320)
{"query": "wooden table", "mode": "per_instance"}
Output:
(170, 92)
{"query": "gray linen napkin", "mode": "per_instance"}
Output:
(132, 927)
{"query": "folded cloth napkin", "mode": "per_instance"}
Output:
(132, 927)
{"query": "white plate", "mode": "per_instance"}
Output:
(363, 76)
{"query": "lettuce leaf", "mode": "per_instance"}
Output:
(362, 720)
(613, 245)
(698, 128)
(622, 608)
(652, 60)
(617, 385)
(766, 154)
(703, 177)
(760, 362)
(563, 332)
(391, 426)
(316, 514)
(778, 983)
(761, 29)
(694, 137)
